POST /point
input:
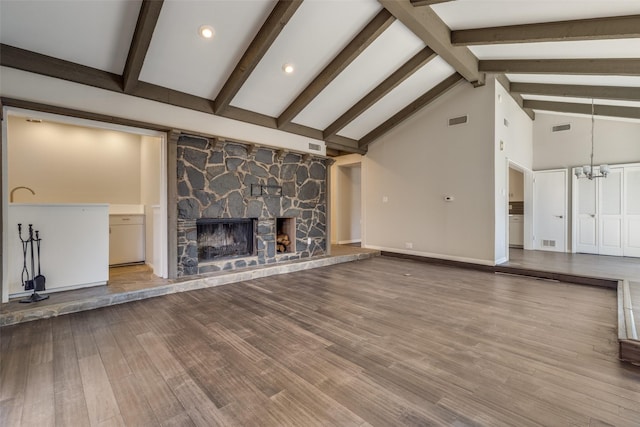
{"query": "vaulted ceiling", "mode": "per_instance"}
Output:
(360, 67)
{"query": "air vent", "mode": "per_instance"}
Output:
(315, 147)
(549, 243)
(560, 128)
(458, 120)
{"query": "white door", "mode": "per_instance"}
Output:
(631, 235)
(587, 227)
(610, 213)
(550, 210)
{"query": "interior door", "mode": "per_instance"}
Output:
(610, 213)
(587, 225)
(631, 235)
(550, 210)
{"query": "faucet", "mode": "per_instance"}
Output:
(18, 188)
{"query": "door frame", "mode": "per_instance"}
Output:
(528, 205)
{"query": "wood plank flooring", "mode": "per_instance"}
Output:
(380, 342)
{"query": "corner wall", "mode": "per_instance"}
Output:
(407, 173)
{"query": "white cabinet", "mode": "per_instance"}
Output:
(516, 230)
(126, 239)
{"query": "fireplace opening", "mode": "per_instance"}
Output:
(225, 238)
(285, 235)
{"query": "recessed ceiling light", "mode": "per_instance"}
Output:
(288, 68)
(206, 31)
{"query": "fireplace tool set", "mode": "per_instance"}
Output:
(36, 282)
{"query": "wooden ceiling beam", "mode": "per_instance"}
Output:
(599, 66)
(578, 91)
(147, 20)
(418, 3)
(504, 81)
(598, 110)
(427, 25)
(616, 27)
(33, 62)
(400, 75)
(278, 18)
(372, 30)
(440, 89)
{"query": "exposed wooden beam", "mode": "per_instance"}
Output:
(418, 3)
(504, 81)
(147, 20)
(616, 27)
(410, 109)
(428, 26)
(613, 66)
(280, 15)
(598, 110)
(372, 30)
(400, 75)
(53, 67)
(579, 91)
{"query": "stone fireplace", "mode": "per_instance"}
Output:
(225, 238)
(226, 186)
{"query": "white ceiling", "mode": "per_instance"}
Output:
(92, 33)
(203, 68)
(99, 33)
(466, 14)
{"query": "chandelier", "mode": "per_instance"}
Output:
(588, 171)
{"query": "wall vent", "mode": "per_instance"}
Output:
(506, 123)
(315, 147)
(549, 243)
(560, 128)
(458, 120)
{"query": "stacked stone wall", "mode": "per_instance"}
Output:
(226, 181)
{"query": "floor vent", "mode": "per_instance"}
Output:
(560, 128)
(549, 243)
(458, 120)
(315, 147)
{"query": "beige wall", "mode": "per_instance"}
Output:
(616, 141)
(516, 186)
(346, 209)
(421, 161)
(69, 164)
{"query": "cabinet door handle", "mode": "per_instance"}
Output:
(559, 216)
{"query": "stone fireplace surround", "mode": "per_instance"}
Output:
(215, 181)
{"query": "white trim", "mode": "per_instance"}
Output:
(432, 255)
(346, 242)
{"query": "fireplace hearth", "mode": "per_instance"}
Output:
(225, 238)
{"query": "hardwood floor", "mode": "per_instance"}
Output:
(381, 342)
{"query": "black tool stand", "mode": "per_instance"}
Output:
(34, 297)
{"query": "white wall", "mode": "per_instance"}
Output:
(70, 164)
(422, 160)
(616, 141)
(513, 143)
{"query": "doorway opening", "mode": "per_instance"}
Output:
(84, 162)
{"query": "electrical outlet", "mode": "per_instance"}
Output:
(308, 240)
(408, 245)
(385, 199)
